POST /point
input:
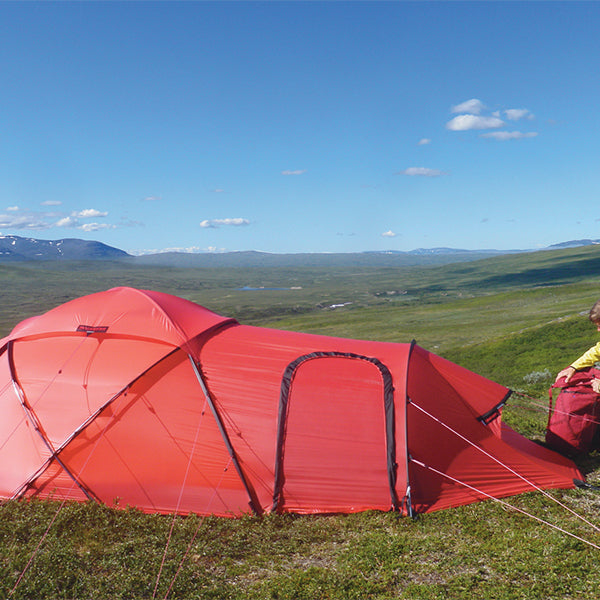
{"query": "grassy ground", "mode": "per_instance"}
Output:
(478, 551)
(514, 319)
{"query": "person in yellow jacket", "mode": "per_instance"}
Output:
(589, 358)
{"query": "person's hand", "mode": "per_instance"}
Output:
(566, 373)
(596, 385)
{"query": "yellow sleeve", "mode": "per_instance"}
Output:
(590, 358)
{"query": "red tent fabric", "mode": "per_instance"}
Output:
(138, 398)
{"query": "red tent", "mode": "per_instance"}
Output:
(143, 399)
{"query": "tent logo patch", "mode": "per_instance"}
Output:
(92, 329)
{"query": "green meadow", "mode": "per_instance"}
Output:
(516, 319)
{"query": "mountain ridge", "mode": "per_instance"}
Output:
(18, 249)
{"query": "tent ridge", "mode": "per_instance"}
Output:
(144, 293)
(180, 330)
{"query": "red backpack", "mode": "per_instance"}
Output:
(575, 418)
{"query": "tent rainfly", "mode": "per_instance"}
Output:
(148, 400)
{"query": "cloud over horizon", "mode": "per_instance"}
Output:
(214, 223)
(40, 221)
(73, 221)
(26, 221)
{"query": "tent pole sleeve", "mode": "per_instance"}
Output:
(253, 500)
(407, 497)
(38, 427)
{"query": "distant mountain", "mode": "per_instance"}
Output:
(14, 248)
(341, 259)
(573, 244)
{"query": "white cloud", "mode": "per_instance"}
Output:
(424, 142)
(466, 122)
(73, 221)
(473, 106)
(152, 198)
(183, 250)
(12, 208)
(475, 119)
(509, 135)
(30, 221)
(514, 114)
(213, 223)
(67, 222)
(95, 226)
(14, 218)
(421, 172)
(88, 213)
(297, 172)
(218, 191)
(389, 234)
(51, 203)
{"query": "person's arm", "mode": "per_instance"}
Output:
(588, 359)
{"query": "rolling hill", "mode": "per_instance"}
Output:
(14, 249)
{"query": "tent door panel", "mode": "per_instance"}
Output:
(333, 449)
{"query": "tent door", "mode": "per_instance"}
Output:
(335, 446)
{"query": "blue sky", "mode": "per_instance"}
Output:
(300, 126)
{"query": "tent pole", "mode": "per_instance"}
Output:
(409, 507)
(89, 420)
(38, 428)
(253, 501)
